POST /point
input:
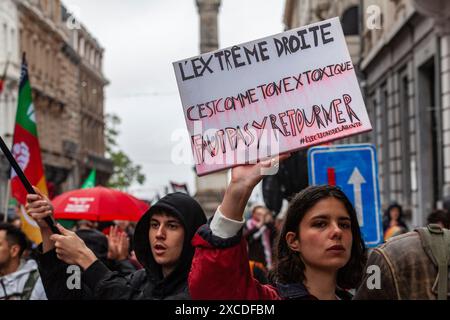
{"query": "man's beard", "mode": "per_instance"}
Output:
(4, 265)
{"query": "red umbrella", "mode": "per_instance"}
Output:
(98, 204)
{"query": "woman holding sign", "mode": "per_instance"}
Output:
(320, 251)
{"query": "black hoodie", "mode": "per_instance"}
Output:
(149, 283)
(98, 282)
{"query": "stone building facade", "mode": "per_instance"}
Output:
(90, 118)
(302, 12)
(9, 61)
(404, 72)
(67, 83)
(53, 80)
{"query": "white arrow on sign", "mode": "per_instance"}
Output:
(356, 179)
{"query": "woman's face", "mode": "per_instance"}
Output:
(394, 213)
(325, 236)
(259, 214)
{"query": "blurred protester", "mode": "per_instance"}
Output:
(127, 227)
(111, 250)
(16, 222)
(260, 233)
(19, 278)
(440, 217)
(393, 223)
(118, 244)
(279, 221)
(118, 252)
(411, 266)
(259, 272)
(446, 199)
(85, 225)
(124, 225)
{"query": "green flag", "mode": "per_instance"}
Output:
(90, 181)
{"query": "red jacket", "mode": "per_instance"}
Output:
(220, 270)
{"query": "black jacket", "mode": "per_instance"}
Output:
(255, 246)
(55, 272)
(98, 282)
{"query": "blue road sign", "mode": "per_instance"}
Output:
(354, 168)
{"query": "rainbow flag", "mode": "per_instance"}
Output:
(27, 152)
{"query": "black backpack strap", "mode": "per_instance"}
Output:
(30, 284)
(437, 241)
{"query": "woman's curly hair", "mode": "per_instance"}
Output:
(290, 267)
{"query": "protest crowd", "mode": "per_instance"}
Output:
(316, 253)
(109, 245)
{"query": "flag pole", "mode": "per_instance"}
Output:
(49, 219)
(8, 190)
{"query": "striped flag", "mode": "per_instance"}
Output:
(27, 152)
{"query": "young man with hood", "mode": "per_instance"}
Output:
(162, 244)
(19, 278)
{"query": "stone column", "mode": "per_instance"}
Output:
(208, 11)
(210, 188)
(439, 11)
(443, 30)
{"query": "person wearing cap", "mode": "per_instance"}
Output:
(162, 244)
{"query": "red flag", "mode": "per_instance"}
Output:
(27, 152)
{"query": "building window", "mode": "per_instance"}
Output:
(4, 116)
(350, 21)
(5, 38)
(74, 36)
(383, 144)
(378, 138)
(13, 42)
(81, 47)
(92, 57)
(405, 135)
(51, 10)
(395, 147)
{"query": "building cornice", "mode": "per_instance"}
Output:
(97, 75)
(386, 39)
(288, 13)
(90, 39)
(45, 21)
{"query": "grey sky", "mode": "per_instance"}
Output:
(141, 39)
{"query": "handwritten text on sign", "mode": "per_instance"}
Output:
(278, 94)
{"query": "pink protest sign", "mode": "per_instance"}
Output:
(278, 94)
